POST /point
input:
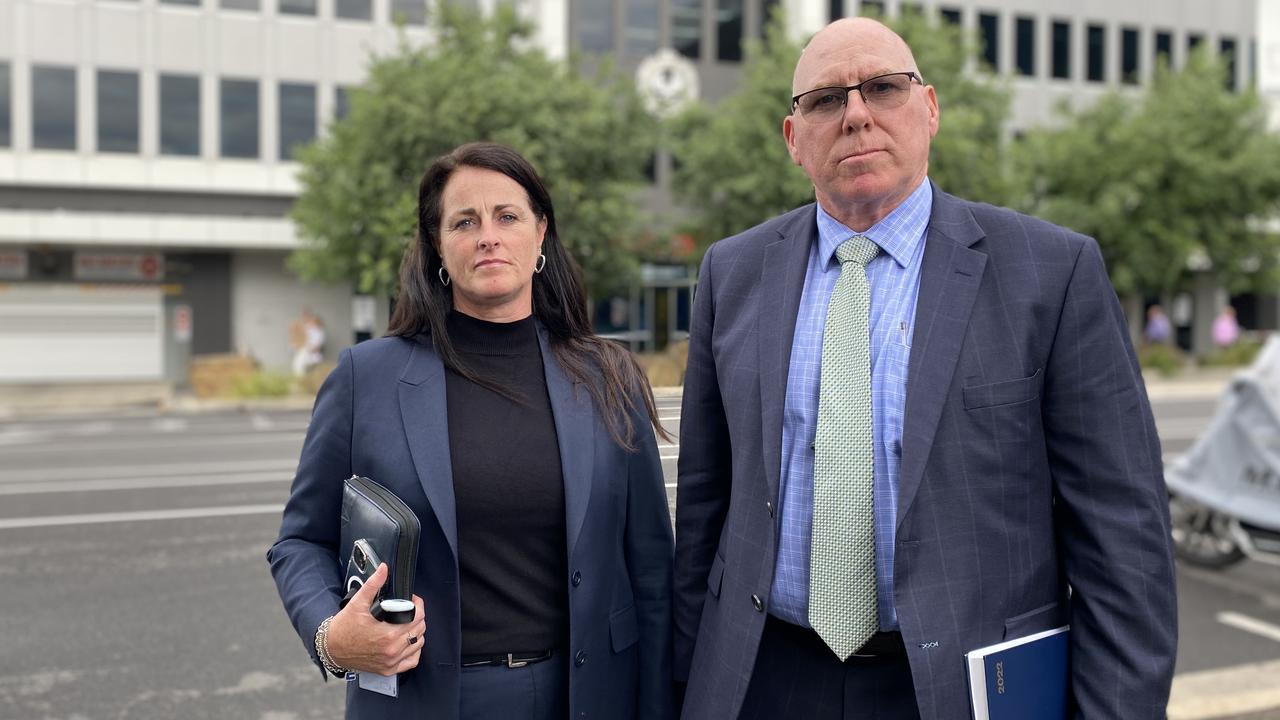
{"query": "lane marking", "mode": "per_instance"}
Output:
(1233, 584)
(1250, 625)
(1225, 692)
(139, 516)
(169, 442)
(116, 472)
(202, 480)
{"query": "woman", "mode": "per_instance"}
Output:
(525, 446)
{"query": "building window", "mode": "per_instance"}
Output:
(989, 29)
(53, 107)
(1253, 63)
(297, 117)
(1193, 42)
(1062, 50)
(643, 26)
(238, 118)
(194, 3)
(1129, 54)
(179, 115)
(6, 131)
(686, 27)
(297, 7)
(835, 10)
(1026, 46)
(595, 25)
(952, 16)
(239, 5)
(341, 102)
(1227, 47)
(353, 9)
(117, 111)
(729, 30)
(872, 8)
(1096, 53)
(409, 12)
(1164, 48)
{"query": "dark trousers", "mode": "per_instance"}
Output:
(539, 691)
(797, 676)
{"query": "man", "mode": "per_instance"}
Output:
(913, 426)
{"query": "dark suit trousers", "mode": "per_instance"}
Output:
(539, 691)
(797, 676)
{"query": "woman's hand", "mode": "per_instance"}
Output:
(357, 641)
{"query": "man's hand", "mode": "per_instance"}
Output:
(357, 641)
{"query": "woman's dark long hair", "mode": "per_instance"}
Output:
(610, 373)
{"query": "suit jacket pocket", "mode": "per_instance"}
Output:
(1045, 617)
(716, 576)
(1006, 392)
(623, 630)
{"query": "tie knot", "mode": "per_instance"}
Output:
(859, 249)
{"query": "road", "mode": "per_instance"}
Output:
(134, 583)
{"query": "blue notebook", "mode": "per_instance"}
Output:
(1021, 679)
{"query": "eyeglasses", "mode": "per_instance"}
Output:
(883, 92)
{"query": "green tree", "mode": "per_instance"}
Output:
(480, 79)
(1183, 171)
(734, 170)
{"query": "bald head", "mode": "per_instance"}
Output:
(844, 41)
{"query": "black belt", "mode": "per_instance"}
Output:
(511, 660)
(881, 645)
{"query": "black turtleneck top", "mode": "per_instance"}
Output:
(507, 483)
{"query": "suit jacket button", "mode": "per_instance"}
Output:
(580, 659)
(768, 504)
(576, 579)
(757, 603)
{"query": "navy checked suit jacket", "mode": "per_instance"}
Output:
(382, 414)
(1031, 488)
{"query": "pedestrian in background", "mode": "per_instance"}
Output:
(525, 445)
(1158, 329)
(307, 337)
(1226, 330)
(912, 426)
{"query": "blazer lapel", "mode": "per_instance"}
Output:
(950, 275)
(781, 285)
(425, 416)
(576, 434)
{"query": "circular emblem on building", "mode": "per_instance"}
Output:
(667, 82)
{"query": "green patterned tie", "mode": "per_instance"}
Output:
(842, 562)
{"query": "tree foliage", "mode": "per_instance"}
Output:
(734, 170)
(481, 78)
(1184, 171)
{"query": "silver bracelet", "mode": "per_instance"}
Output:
(322, 650)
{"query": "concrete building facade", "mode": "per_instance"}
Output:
(146, 146)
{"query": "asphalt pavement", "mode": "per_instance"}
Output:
(134, 582)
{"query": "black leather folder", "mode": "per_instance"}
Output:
(374, 513)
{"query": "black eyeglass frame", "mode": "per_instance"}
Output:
(911, 75)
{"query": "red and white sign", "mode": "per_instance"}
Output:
(13, 264)
(119, 266)
(182, 323)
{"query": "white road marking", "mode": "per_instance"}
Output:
(169, 442)
(1250, 625)
(1225, 692)
(169, 424)
(109, 472)
(139, 516)
(203, 480)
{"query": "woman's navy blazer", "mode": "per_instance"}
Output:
(381, 414)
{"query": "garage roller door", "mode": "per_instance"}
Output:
(77, 333)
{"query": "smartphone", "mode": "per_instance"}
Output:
(364, 561)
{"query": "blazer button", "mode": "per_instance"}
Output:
(576, 579)
(768, 504)
(580, 659)
(757, 603)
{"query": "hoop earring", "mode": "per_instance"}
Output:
(443, 275)
(542, 262)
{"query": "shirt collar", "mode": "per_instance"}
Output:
(898, 234)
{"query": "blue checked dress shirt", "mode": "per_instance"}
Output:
(894, 276)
